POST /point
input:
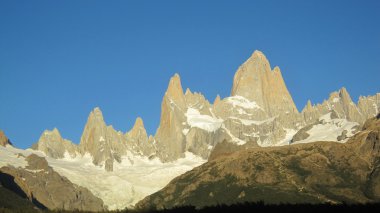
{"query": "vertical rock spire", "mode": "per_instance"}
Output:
(256, 81)
(169, 133)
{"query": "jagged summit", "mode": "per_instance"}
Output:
(53, 133)
(53, 145)
(258, 55)
(139, 123)
(256, 81)
(217, 100)
(97, 114)
(175, 90)
(138, 130)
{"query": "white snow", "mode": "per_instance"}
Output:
(205, 122)
(8, 156)
(242, 102)
(329, 130)
(185, 131)
(132, 179)
(335, 100)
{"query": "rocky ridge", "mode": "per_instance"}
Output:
(259, 111)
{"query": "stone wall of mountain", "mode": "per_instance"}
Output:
(259, 111)
(317, 172)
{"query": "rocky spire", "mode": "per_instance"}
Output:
(138, 132)
(169, 135)
(217, 100)
(53, 145)
(175, 92)
(308, 106)
(94, 132)
(3, 139)
(103, 142)
(138, 140)
(256, 81)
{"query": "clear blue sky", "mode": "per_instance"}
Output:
(60, 59)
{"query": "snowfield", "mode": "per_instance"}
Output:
(329, 130)
(132, 179)
(205, 122)
(240, 101)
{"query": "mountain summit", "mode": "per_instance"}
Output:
(256, 81)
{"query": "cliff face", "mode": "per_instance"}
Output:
(53, 145)
(256, 81)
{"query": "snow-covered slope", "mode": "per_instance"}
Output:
(329, 129)
(205, 122)
(132, 179)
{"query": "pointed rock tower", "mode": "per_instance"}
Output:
(138, 141)
(256, 81)
(103, 142)
(217, 100)
(169, 137)
(53, 145)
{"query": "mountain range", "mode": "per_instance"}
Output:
(256, 138)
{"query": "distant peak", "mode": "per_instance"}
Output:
(217, 100)
(56, 131)
(343, 90)
(139, 122)
(137, 129)
(97, 113)
(276, 69)
(343, 93)
(258, 53)
(175, 90)
(97, 110)
(175, 78)
(309, 103)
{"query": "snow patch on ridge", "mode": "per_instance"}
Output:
(242, 102)
(329, 129)
(205, 122)
(336, 100)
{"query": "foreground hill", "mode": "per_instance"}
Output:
(317, 172)
(45, 188)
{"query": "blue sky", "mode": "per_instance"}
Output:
(60, 59)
